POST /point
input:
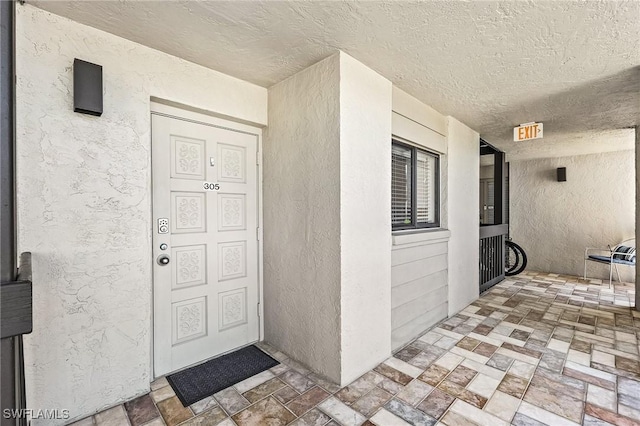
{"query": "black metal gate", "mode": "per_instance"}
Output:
(494, 215)
(492, 255)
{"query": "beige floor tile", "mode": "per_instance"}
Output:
(162, 393)
(484, 385)
(414, 392)
(306, 401)
(543, 416)
(454, 419)
(159, 383)
(480, 417)
(208, 418)
(602, 397)
(266, 412)
(254, 381)
(115, 416)
(155, 422)
(88, 421)
(591, 371)
(430, 337)
(173, 412)
(404, 367)
(522, 369)
(231, 400)
(469, 355)
(385, 418)
(484, 369)
(446, 342)
(371, 402)
(579, 357)
(340, 412)
(203, 405)
(515, 355)
(449, 361)
(558, 345)
(502, 405)
(631, 412)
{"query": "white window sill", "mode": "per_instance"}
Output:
(426, 236)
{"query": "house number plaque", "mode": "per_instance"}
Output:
(210, 186)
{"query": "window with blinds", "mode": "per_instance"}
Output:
(401, 212)
(414, 187)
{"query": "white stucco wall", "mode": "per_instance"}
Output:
(637, 157)
(554, 221)
(84, 207)
(302, 217)
(365, 220)
(463, 194)
(327, 180)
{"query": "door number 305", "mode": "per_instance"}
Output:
(210, 186)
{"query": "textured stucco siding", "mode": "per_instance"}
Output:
(302, 217)
(637, 152)
(84, 206)
(463, 190)
(554, 221)
(365, 231)
(327, 190)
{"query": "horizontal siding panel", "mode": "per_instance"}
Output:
(417, 307)
(405, 104)
(402, 335)
(412, 239)
(417, 133)
(407, 292)
(403, 255)
(404, 273)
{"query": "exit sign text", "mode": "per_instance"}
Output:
(528, 131)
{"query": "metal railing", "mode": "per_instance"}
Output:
(492, 255)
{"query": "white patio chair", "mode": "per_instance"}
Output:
(622, 254)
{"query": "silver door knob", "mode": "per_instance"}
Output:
(163, 259)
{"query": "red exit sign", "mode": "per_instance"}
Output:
(527, 131)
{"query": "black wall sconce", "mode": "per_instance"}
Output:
(87, 87)
(562, 174)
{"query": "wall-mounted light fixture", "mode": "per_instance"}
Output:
(562, 174)
(87, 87)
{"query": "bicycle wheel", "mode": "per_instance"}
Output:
(511, 258)
(520, 256)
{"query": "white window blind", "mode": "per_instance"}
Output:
(414, 187)
(400, 185)
(425, 185)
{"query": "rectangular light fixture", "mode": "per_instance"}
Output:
(562, 174)
(87, 87)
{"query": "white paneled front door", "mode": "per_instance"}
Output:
(205, 247)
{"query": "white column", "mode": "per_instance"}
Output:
(637, 211)
(327, 236)
(365, 217)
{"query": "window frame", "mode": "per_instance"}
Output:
(414, 225)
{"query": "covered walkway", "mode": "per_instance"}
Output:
(535, 349)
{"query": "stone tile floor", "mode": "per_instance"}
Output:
(537, 349)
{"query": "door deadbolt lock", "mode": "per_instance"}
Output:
(163, 259)
(163, 246)
(163, 225)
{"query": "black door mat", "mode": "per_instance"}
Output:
(196, 383)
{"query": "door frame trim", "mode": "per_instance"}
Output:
(186, 114)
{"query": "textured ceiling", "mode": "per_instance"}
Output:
(573, 65)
